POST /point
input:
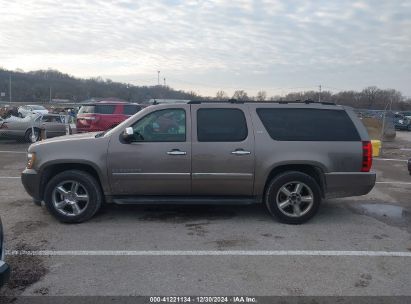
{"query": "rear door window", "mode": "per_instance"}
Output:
(308, 125)
(221, 125)
(131, 109)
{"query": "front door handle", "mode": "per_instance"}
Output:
(240, 152)
(176, 152)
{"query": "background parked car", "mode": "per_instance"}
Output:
(29, 127)
(402, 122)
(4, 267)
(104, 115)
(24, 111)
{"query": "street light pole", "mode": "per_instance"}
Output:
(158, 77)
(10, 87)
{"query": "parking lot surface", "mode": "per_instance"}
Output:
(214, 250)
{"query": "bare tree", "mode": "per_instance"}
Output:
(240, 95)
(221, 95)
(261, 95)
(369, 95)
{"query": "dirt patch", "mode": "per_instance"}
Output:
(186, 214)
(23, 227)
(197, 229)
(269, 235)
(43, 291)
(364, 280)
(25, 271)
(233, 243)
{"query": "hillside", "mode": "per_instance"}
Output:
(34, 87)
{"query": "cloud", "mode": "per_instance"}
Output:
(279, 40)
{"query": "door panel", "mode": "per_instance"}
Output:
(223, 155)
(154, 166)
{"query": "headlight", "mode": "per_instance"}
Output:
(31, 157)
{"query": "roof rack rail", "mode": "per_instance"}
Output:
(308, 101)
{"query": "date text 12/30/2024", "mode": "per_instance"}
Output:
(203, 299)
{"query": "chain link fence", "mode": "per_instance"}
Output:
(380, 124)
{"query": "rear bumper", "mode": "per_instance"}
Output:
(344, 184)
(31, 182)
(4, 273)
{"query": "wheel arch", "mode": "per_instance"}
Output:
(51, 169)
(312, 170)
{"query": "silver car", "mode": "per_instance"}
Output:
(30, 127)
(31, 109)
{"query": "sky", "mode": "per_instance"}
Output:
(211, 45)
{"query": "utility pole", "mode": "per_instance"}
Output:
(10, 87)
(158, 77)
(50, 95)
(319, 95)
(164, 81)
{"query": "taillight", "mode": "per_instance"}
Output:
(366, 156)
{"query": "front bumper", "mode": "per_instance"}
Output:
(4, 273)
(31, 182)
(344, 184)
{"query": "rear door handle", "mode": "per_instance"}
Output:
(240, 152)
(176, 152)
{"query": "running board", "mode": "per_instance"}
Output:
(184, 200)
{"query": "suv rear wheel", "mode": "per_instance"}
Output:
(293, 197)
(73, 196)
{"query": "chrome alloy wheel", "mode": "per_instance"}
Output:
(295, 199)
(70, 198)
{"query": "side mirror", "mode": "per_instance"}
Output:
(128, 134)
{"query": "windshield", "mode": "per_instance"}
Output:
(34, 107)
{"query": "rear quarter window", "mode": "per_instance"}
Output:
(308, 125)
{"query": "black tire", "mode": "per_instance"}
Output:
(289, 180)
(87, 183)
(28, 138)
(409, 127)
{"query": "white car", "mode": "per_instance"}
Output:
(31, 109)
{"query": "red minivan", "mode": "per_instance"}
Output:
(104, 115)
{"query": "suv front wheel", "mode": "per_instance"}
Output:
(293, 197)
(73, 196)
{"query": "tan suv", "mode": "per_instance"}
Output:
(286, 155)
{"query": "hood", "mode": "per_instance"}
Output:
(66, 138)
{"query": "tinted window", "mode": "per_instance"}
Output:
(161, 126)
(105, 109)
(37, 108)
(131, 109)
(308, 125)
(216, 125)
(97, 109)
